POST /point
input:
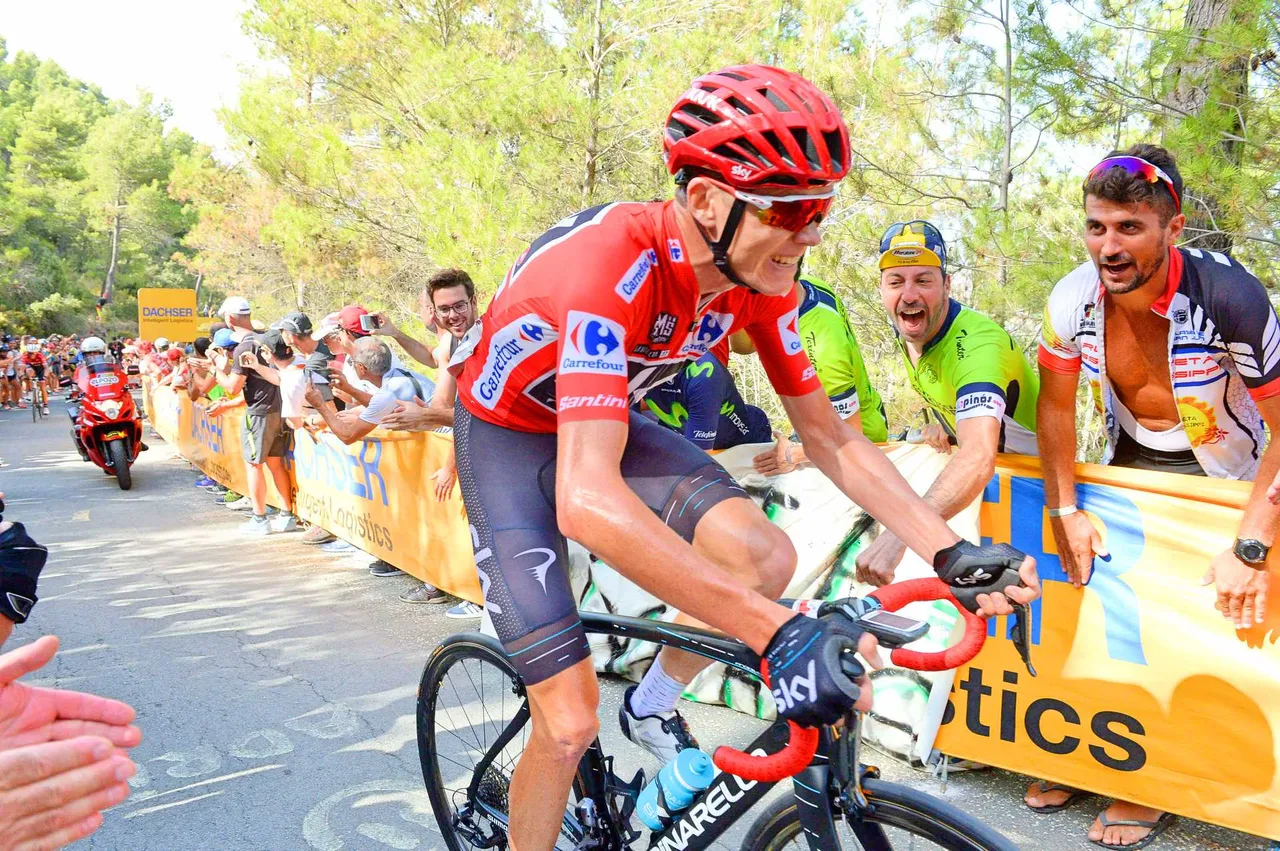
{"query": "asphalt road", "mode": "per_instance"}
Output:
(276, 686)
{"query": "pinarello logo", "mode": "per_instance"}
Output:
(592, 337)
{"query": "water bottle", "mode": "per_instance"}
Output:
(675, 787)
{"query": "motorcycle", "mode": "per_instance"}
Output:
(105, 423)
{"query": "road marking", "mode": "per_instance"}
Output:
(221, 779)
(81, 516)
(84, 649)
(147, 810)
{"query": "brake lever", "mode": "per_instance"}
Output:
(1022, 634)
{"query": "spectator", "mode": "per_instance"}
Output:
(1137, 302)
(264, 440)
(297, 330)
(236, 312)
(978, 385)
(10, 388)
(371, 362)
(340, 331)
(52, 788)
(448, 301)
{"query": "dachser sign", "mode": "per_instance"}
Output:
(167, 313)
(1144, 692)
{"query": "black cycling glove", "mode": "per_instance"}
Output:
(812, 684)
(971, 570)
(21, 560)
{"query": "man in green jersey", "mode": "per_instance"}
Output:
(977, 383)
(833, 350)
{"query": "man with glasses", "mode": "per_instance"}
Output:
(607, 304)
(978, 385)
(1181, 349)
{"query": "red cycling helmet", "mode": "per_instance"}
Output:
(757, 126)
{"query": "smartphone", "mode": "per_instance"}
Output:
(248, 359)
(370, 323)
(893, 630)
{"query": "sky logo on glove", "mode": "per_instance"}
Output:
(791, 691)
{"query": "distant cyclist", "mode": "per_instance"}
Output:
(34, 363)
(606, 305)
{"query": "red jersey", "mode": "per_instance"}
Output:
(603, 307)
(33, 358)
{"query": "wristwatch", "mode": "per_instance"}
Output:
(1251, 551)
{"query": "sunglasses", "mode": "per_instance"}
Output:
(789, 212)
(1139, 167)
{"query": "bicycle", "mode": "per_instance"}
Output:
(831, 784)
(36, 410)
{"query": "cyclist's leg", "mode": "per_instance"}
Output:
(521, 559)
(698, 499)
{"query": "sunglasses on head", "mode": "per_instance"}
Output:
(1139, 167)
(789, 212)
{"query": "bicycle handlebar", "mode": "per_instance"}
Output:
(803, 741)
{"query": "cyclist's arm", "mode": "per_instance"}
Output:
(704, 392)
(1261, 518)
(866, 475)
(595, 507)
(1056, 434)
(415, 349)
(446, 385)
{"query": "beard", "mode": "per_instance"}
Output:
(1142, 272)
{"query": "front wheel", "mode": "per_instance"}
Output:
(118, 452)
(900, 819)
(473, 725)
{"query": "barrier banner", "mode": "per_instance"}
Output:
(376, 494)
(1144, 692)
(169, 313)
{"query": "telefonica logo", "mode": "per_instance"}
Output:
(168, 312)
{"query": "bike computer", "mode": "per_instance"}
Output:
(893, 630)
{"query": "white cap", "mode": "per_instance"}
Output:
(93, 344)
(162, 343)
(327, 326)
(235, 305)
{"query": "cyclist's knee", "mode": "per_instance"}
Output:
(570, 728)
(775, 562)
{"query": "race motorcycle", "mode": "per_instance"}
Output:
(105, 423)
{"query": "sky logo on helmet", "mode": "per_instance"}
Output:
(742, 172)
(633, 279)
(593, 344)
(509, 348)
(789, 333)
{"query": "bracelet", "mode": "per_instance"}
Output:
(1063, 511)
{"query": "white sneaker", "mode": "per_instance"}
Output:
(241, 504)
(464, 610)
(45, 410)
(663, 735)
(284, 523)
(254, 527)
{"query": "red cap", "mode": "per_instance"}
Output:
(173, 354)
(349, 319)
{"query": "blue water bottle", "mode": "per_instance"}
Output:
(674, 787)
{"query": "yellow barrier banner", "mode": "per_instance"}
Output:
(168, 313)
(1144, 691)
(376, 494)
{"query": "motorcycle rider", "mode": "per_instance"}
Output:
(93, 351)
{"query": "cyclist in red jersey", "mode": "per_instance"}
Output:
(34, 364)
(602, 307)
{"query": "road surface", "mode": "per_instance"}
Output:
(276, 686)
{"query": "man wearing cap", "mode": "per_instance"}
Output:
(297, 330)
(371, 361)
(235, 311)
(979, 387)
(263, 438)
(340, 331)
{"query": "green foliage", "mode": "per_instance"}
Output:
(82, 179)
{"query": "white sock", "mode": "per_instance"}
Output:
(657, 692)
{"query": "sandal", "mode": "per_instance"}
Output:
(1157, 827)
(1073, 795)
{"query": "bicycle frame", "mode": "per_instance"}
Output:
(728, 798)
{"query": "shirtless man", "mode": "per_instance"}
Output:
(1187, 378)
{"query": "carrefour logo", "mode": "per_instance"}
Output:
(633, 279)
(510, 346)
(593, 344)
(789, 333)
(711, 327)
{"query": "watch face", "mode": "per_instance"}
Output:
(1251, 551)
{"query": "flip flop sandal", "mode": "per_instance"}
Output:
(1073, 795)
(1157, 827)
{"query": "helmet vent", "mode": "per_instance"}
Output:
(702, 114)
(776, 144)
(732, 75)
(738, 105)
(806, 145)
(776, 99)
(835, 146)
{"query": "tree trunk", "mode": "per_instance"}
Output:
(199, 280)
(595, 62)
(1200, 81)
(109, 286)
